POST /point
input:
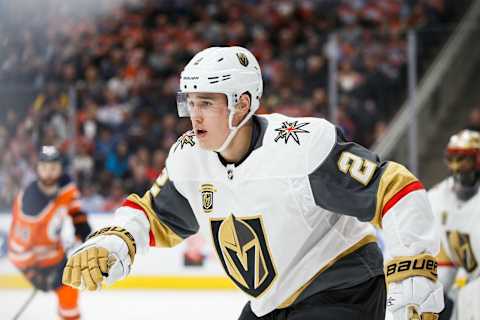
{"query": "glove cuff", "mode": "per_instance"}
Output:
(400, 268)
(413, 314)
(123, 234)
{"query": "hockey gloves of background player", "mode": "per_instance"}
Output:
(106, 255)
(413, 290)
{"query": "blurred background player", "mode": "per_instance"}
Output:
(455, 202)
(35, 244)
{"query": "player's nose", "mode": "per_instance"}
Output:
(196, 116)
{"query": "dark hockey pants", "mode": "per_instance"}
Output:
(366, 301)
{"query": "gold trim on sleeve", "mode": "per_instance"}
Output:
(163, 235)
(394, 179)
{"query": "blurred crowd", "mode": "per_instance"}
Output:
(104, 83)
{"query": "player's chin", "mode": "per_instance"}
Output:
(49, 182)
(206, 147)
(205, 144)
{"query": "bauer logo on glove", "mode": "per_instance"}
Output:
(404, 267)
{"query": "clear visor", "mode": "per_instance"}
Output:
(205, 103)
(182, 104)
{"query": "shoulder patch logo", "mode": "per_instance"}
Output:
(242, 58)
(207, 191)
(186, 138)
(290, 130)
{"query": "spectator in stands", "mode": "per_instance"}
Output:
(116, 195)
(138, 180)
(474, 120)
(104, 144)
(117, 160)
(83, 163)
(124, 65)
(91, 200)
(158, 163)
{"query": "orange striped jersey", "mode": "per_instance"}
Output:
(37, 219)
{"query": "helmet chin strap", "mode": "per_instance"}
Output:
(233, 129)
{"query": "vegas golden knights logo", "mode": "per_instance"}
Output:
(207, 197)
(242, 58)
(461, 246)
(242, 247)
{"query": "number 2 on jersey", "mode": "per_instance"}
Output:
(358, 168)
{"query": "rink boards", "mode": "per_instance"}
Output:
(158, 269)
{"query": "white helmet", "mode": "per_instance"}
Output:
(228, 70)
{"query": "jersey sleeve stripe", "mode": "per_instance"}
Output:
(414, 186)
(131, 204)
(73, 210)
(163, 236)
(446, 264)
(443, 259)
(393, 180)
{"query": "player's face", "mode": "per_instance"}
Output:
(209, 116)
(461, 163)
(49, 172)
(463, 170)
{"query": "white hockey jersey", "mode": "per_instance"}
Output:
(459, 221)
(287, 218)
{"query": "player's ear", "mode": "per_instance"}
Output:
(242, 108)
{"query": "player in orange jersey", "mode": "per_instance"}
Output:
(34, 245)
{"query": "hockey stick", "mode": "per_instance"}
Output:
(25, 304)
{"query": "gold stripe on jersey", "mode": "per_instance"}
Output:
(394, 178)
(163, 235)
(364, 241)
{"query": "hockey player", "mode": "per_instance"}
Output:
(290, 206)
(34, 244)
(455, 203)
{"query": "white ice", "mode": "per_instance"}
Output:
(131, 305)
